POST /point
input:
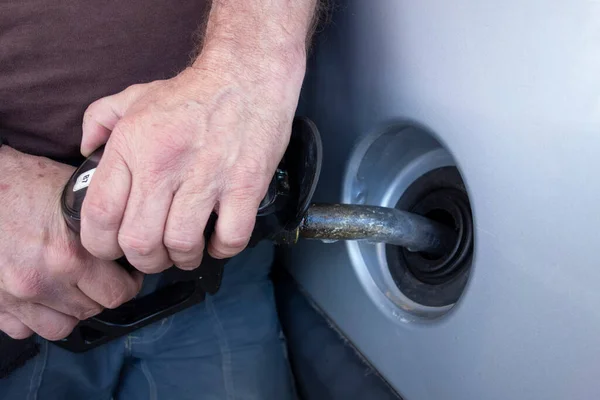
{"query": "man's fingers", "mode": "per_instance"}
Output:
(142, 229)
(44, 321)
(13, 327)
(237, 216)
(102, 115)
(56, 290)
(109, 284)
(104, 205)
(184, 231)
(76, 304)
(99, 120)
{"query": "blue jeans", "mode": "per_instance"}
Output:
(228, 347)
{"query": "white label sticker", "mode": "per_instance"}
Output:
(84, 180)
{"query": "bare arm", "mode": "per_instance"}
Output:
(192, 143)
(47, 280)
(208, 139)
(273, 27)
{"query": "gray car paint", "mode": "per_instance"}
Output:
(512, 89)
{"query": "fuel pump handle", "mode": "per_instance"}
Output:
(286, 202)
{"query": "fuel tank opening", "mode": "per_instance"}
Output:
(431, 280)
(405, 165)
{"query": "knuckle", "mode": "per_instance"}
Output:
(211, 158)
(93, 108)
(102, 212)
(132, 288)
(150, 266)
(233, 243)
(187, 261)
(115, 302)
(166, 158)
(121, 136)
(254, 167)
(245, 190)
(139, 246)
(58, 329)
(124, 126)
(250, 172)
(188, 264)
(18, 332)
(13, 327)
(111, 288)
(137, 284)
(179, 245)
(84, 314)
(119, 291)
(118, 297)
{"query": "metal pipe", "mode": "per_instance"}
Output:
(331, 222)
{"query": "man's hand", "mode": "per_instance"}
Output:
(207, 140)
(47, 280)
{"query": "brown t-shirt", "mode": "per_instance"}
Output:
(58, 56)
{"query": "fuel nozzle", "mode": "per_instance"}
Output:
(374, 224)
(285, 214)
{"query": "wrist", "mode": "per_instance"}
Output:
(261, 25)
(258, 37)
(280, 59)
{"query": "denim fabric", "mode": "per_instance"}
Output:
(228, 347)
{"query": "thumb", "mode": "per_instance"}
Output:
(102, 115)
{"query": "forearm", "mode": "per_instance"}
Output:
(14, 182)
(268, 34)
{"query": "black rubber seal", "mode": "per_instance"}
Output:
(435, 282)
(455, 205)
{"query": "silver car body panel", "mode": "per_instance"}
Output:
(512, 91)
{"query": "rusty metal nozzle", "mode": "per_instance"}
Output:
(374, 224)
